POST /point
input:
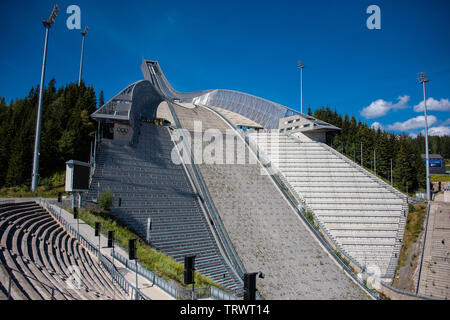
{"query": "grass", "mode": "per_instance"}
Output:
(440, 177)
(414, 226)
(151, 259)
(49, 188)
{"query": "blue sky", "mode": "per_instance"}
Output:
(250, 46)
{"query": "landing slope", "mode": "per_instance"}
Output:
(265, 231)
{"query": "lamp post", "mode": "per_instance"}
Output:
(423, 79)
(301, 66)
(47, 24)
(83, 34)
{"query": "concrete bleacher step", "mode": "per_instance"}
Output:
(151, 186)
(40, 251)
(356, 208)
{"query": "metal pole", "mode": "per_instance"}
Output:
(135, 261)
(193, 284)
(407, 195)
(301, 66)
(149, 225)
(35, 174)
(90, 155)
(112, 273)
(47, 24)
(301, 89)
(83, 34)
(423, 80)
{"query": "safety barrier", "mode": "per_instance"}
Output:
(116, 276)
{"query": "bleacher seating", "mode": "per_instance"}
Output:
(36, 255)
(265, 231)
(364, 216)
(150, 185)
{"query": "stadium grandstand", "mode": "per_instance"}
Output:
(233, 211)
(243, 183)
(37, 253)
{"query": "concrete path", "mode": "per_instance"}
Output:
(435, 274)
(154, 293)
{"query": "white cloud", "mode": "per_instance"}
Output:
(413, 135)
(412, 124)
(439, 131)
(376, 126)
(381, 107)
(432, 104)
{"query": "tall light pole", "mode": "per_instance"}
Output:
(47, 24)
(301, 66)
(423, 79)
(83, 34)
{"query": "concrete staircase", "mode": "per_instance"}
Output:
(435, 273)
(37, 255)
(150, 185)
(365, 216)
(263, 228)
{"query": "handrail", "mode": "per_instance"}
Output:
(423, 248)
(361, 169)
(276, 177)
(381, 282)
(374, 178)
(52, 287)
(111, 269)
(209, 219)
(147, 274)
(233, 257)
(280, 180)
(237, 266)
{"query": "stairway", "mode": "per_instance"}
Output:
(365, 216)
(150, 185)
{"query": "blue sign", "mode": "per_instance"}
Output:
(435, 163)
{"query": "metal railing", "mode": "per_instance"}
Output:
(194, 172)
(360, 169)
(374, 178)
(49, 287)
(295, 199)
(147, 274)
(116, 276)
(423, 247)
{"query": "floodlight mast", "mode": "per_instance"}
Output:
(301, 66)
(83, 34)
(47, 24)
(423, 79)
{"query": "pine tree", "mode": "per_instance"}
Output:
(101, 100)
